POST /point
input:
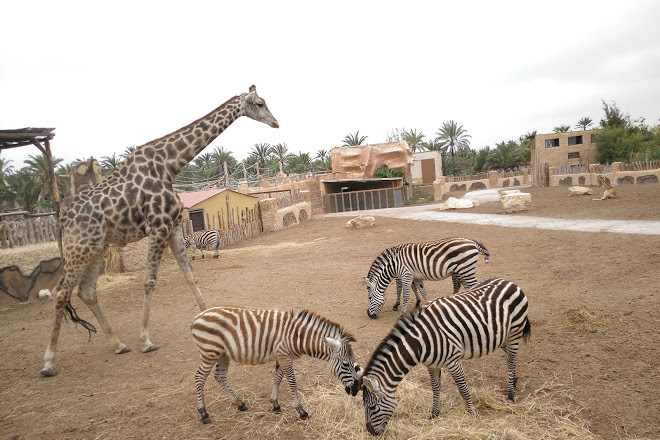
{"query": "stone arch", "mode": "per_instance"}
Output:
(582, 180)
(568, 181)
(457, 187)
(647, 179)
(302, 216)
(477, 185)
(626, 180)
(289, 219)
(516, 182)
(505, 183)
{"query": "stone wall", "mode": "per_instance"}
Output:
(494, 180)
(274, 219)
(616, 177)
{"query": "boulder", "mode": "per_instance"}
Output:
(44, 294)
(579, 191)
(516, 202)
(454, 203)
(504, 192)
(361, 222)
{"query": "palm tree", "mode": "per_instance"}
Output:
(452, 137)
(414, 140)
(5, 168)
(322, 155)
(127, 151)
(25, 188)
(280, 152)
(262, 153)
(38, 165)
(562, 128)
(299, 163)
(506, 155)
(584, 123)
(432, 145)
(220, 156)
(353, 140)
(110, 163)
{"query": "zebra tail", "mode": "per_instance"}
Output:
(483, 250)
(527, 331)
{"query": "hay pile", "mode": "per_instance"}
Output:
(584, 319)
(545, 413)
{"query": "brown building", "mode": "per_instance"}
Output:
(571, 148)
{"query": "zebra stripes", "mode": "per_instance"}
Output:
(209, 239)
(380, 262)
(491, 315)
(257, 336)
(414, 262)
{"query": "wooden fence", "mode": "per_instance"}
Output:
(23, 228)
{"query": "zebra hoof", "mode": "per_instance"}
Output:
(510, 399)
(215, 256)
(277, 409)
(49, 372)
(304, 415)
(206, 420)
(150, 348)
(395, 308)
(242, 407)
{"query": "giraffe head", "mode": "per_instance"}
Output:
(255, 108)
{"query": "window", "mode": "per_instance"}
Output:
(574, 140)
(575, 155)
(549, 143)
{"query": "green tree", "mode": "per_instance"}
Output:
(480, 159)
(385, 172)
(25, 188)
(452, 137)
(281, 153)
(261, 152)
(432, 145)
(353, 140)
(299, 163)
(451, 165)
(38, 165)
(506, 155)
(415, 140)
(127, 151)
(110, 163)
(614, 117)
(584, 123)
(561, 128)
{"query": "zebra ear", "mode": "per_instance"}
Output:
(370, 384)
(335, 344)
(369, 283)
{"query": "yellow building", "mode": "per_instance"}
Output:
(571, 148)
(218, 209)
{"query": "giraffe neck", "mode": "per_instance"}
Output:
(166, 156)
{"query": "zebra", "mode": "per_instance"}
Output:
(380, 262)
(257, 336)
(433, 260)
(491, 315)
(202, 239)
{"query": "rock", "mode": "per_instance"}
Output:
(44, 294)
(505, 192)
(579, 191)
(516, 202)
(454, 203)
(361, 222)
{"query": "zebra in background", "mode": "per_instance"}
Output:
(433, 260)
(380, 262)
(491, 315)
(257, 336)
(209, 239)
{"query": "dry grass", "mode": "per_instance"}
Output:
(112, 260)
(584, 319)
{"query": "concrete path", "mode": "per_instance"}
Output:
(431, 213)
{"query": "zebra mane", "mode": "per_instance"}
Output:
(402, 327)
(309, 315)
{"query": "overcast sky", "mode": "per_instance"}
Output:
(108, 75)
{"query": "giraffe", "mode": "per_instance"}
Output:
(610, 192)
(135, 202)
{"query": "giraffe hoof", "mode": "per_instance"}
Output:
(277, 409)
(149, 348)
(49, 372)
(123, 350)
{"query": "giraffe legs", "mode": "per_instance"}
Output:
(157, 243)
(87, 294)
(179, 250)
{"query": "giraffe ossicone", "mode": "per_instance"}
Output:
(137, 201)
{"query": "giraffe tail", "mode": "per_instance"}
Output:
(78, 320)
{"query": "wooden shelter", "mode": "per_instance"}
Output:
(40, 138)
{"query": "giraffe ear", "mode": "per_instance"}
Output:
(253, 89)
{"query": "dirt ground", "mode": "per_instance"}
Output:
(605, 377)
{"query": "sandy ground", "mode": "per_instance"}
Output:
(607, 376)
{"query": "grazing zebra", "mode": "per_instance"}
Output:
(380, 262)
(433, 260)
(257, 336)
(491, 315)
(209, 238)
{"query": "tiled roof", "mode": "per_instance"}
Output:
(190, 199)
